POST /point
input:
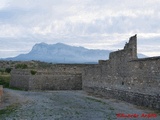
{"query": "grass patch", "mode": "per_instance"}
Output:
(95, 100)
(4, 80)
(15, 88)
(8, 110)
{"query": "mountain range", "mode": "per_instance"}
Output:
(62, 53)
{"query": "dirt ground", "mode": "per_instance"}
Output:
(67, 105)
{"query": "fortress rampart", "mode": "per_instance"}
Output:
(123, 77)
(126, 77)
(57, 77)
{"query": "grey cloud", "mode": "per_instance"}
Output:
(93, 23)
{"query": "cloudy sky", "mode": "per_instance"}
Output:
(95, 24)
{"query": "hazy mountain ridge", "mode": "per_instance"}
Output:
(62, 53)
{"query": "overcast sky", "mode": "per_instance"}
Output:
(95, 24)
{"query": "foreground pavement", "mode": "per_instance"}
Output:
(68, 105)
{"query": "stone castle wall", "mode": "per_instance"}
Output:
(58, 77)
(56, 82)
(20, 79)
(126, 77)
(123, 77)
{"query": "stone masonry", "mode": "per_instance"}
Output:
(123, 77)
(58, 77)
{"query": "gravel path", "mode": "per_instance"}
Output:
(64, 105)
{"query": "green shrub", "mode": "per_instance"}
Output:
(33, 72)
(8, 70)
(21, 66)
(2, 70)
(4, 80)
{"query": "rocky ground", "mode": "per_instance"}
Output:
(65, 105)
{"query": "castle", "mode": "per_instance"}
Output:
(123, 77)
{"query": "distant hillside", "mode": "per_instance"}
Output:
(62, 53)
(141, 55)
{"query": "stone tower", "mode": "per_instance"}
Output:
(131, 47)
(128, 53)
